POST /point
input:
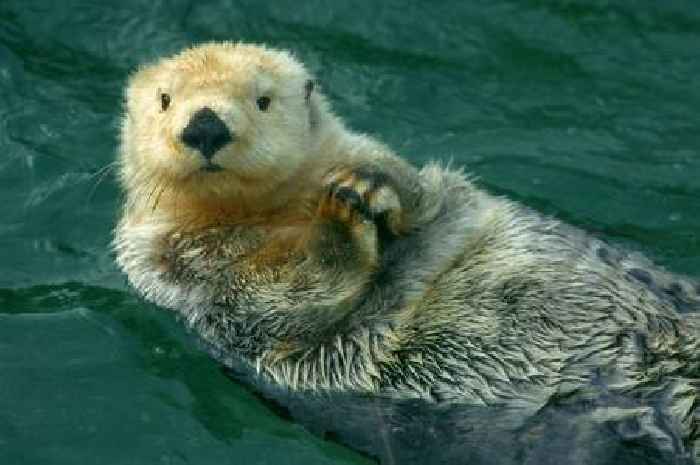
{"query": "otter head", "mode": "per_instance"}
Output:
(218, 121)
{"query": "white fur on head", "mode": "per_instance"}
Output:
(268, 146)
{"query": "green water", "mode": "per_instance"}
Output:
(587, 110)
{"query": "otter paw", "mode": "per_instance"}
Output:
(362, 196)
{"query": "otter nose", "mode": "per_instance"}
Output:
(206, 133)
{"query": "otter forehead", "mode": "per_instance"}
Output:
(222, 65)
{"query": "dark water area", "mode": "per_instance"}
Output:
(585, 110)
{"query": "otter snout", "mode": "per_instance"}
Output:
(206, 133)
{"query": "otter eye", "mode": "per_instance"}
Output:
(164, 101)
(263, 103)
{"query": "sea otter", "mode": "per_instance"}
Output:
(325, 263)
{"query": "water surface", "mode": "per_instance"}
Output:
(586, 110)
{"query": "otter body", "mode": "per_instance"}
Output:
(326, 264)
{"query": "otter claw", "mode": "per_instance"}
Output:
(363, 196)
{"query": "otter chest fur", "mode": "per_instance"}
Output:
(326, 264)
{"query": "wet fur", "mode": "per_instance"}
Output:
(437, 292)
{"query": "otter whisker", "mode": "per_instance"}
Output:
(101, 171)
(150, 194)
(160, 193)
(100, 174)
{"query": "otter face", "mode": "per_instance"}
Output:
(218, 119)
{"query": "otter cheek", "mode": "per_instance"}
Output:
(234, 155)
(237, 122)
(174, 156)
(158, 153)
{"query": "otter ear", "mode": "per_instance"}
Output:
(308, 88)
